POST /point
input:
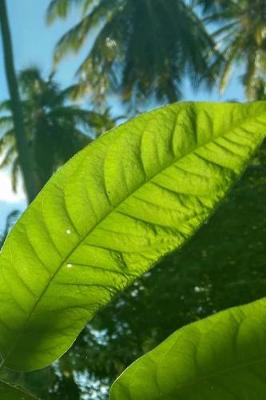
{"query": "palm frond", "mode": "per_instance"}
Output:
(5, 106)
(77, 90)
(8, 157)
(86, 5)
(7, 139)
(55, 128)
(215, 6)
(230, 55)
(73, 40)
(60, 9)
(6, 122)
(227, 29)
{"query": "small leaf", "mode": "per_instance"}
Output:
(9, 392)
(132, 196)
(222, 357)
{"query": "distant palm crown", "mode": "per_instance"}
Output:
(241, 38)
(141, 47)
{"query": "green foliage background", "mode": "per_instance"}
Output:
(224, 264)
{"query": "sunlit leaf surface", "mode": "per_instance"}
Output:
(222, 357)
(109, 214)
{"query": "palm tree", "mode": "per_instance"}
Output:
(24, 155)
(141, 47)
(241, 37)
(55, 129)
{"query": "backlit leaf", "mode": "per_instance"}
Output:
(222, 357)
(111, 213)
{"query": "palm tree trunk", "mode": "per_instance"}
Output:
(25, 159)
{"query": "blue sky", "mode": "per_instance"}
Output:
(33, 43)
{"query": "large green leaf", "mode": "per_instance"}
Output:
(222, 357)
(8, 392)
(117, 207)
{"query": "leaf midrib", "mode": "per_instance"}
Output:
(64, 261)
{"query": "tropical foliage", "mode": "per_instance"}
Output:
(212, 357)
(55, 128)
(142, 48)
(127, 226)
(191, 284)
(131, 197)
(241, 37)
